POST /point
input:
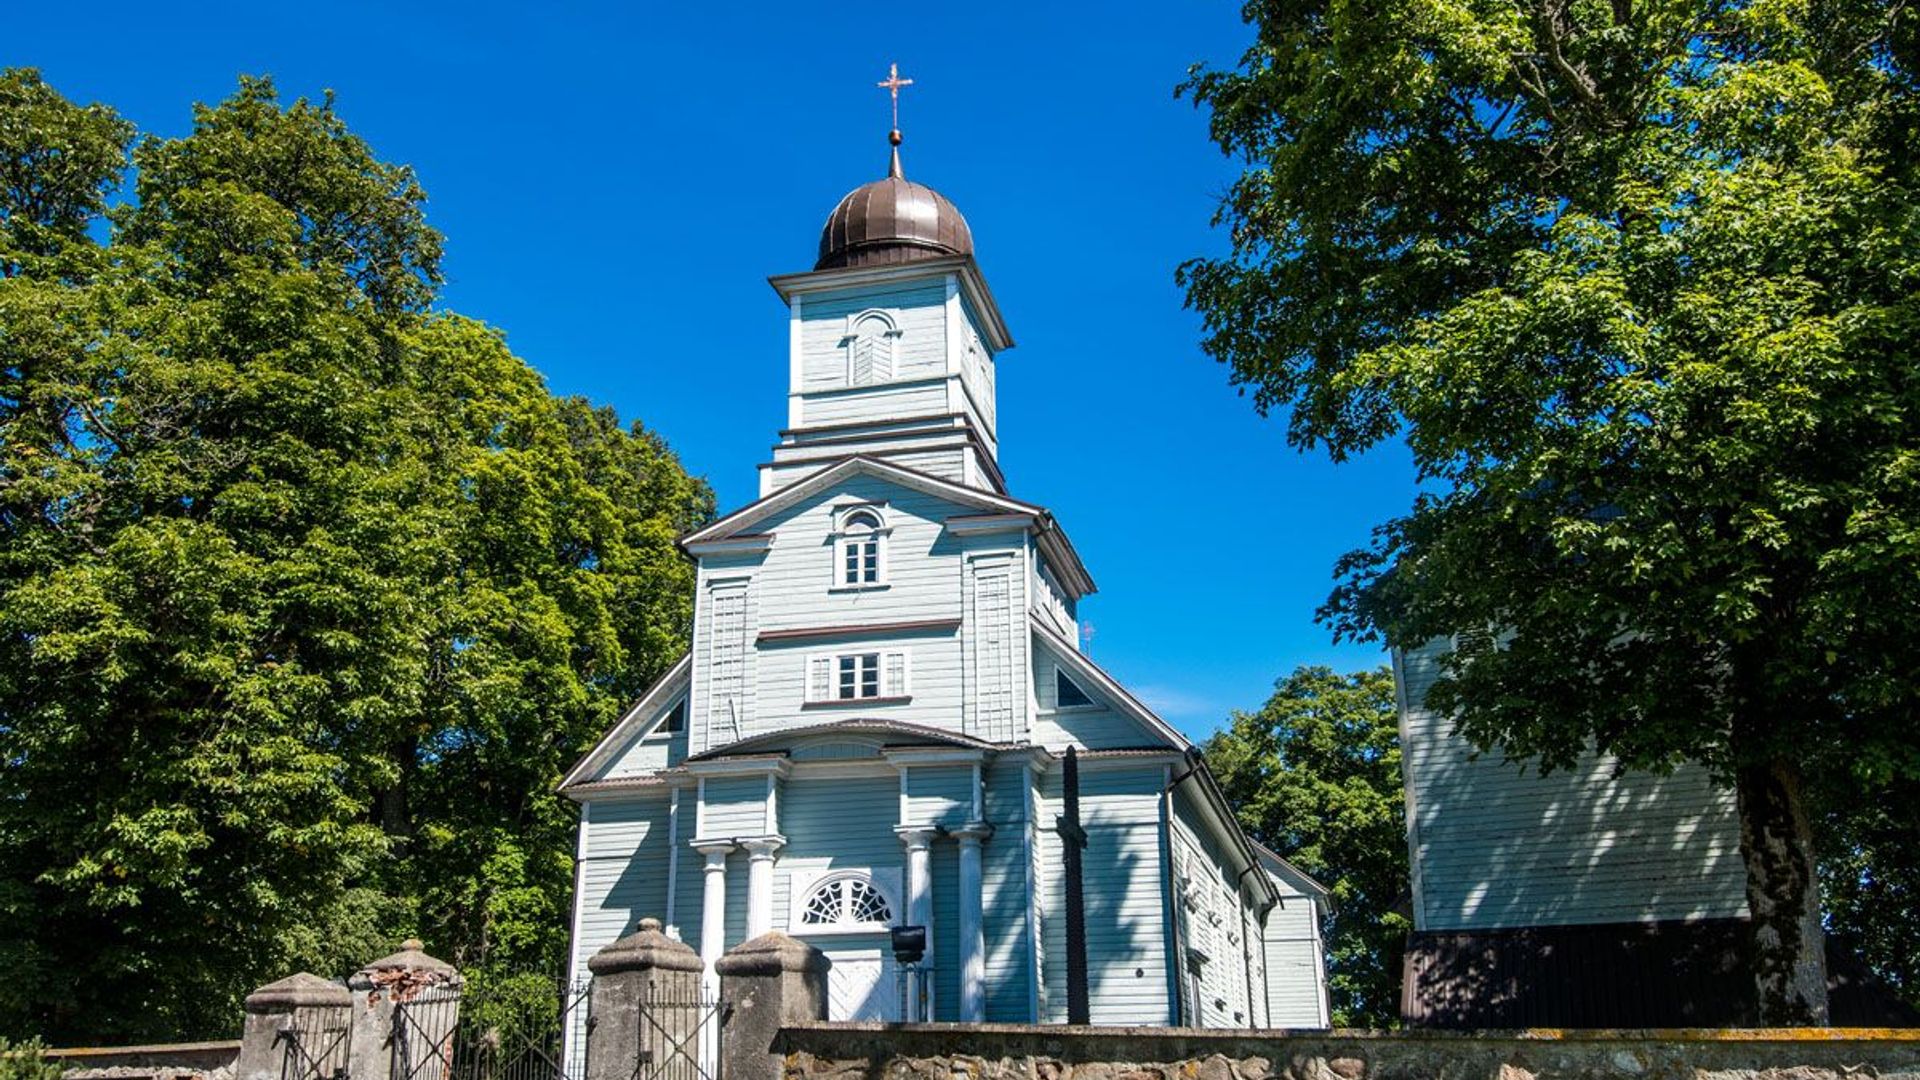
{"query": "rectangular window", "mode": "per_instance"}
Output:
(860, 561)
(857, 676)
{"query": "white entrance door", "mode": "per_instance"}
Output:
(862, 984)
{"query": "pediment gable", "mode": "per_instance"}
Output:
(1107, 695)
(633, 726)
(750, 524)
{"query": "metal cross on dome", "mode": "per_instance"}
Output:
(892, 84)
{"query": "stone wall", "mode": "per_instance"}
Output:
(846, 1051)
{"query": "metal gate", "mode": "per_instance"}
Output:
(520, 1028)
(314, 1045)
(680, 1035)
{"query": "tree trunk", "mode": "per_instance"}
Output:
(1788, 949)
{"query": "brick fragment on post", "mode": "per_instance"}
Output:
(766, 983)
(299, 1021)
(645, 971)
(405, 1008)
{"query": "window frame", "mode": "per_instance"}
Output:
(883, 362)
(803, 888)
(1087, 704)
(661, 730)
(890, 674)
(847, 534)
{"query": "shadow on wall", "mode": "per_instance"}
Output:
(1647, 975)
(1503, 845)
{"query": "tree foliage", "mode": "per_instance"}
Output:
(1636, 282)
(1315, 775)
(308, 592)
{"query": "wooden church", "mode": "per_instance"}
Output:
(871, 727)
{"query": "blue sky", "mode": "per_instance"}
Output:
(616, 182)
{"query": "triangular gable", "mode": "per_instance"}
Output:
(792, 495)
(1053, 541)
(634, 725)
(1103, 687)
(1285, 871)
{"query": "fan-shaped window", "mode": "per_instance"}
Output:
(869, 343)
(843, 901)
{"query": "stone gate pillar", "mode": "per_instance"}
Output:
(303, 1017)
(766, 983)
(645, 971)
(405, 1008)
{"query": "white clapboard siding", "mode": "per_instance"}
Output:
(1004, 869)
(1497, 844)
(1124, 902)
(641, 756)
(842, 823)
(1089, 728)
(939, 794)
(1293, 958)
(918, 314)
(945, 866)
(920, 397)
(734, 806)
(1214, 923)
(622, 872)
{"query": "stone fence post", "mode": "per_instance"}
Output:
(646, 970)
(765, 984)
(303, 1016)
(405, 1008)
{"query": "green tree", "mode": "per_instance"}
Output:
(1315, 775)
(1636, 283)
(308, 593)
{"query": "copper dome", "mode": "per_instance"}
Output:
(889, 221)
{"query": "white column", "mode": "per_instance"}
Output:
(713, 911)
(973, 949)
(919, 840)
(760, 851)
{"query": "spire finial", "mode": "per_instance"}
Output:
(892, 84)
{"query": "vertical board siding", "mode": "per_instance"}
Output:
(1126, 948)
(1585, 845)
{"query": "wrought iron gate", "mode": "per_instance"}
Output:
(520, 1028)
(680, 1035)
(314, 1045)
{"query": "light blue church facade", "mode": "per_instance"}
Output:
(885, 674)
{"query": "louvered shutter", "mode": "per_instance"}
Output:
(894, 683)
(819, 678)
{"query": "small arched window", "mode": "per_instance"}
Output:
(869, 343)
(862, 550)
(846, 900)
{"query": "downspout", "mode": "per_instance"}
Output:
(1176, 967)
(1246, 943)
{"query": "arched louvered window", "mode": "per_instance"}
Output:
(869, 341)
(846, 900)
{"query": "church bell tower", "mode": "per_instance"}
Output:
(892, 341)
